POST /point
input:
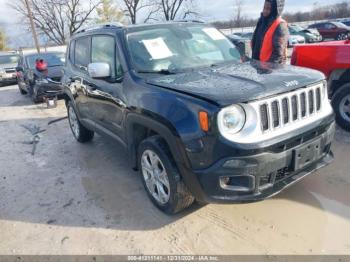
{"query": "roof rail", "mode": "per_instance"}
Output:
(191, 21)
(100, 26)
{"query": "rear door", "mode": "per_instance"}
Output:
(79, 58)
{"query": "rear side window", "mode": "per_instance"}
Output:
(82, 52)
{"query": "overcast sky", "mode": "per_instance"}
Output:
(210, 10)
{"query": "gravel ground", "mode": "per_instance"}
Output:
(70, 198)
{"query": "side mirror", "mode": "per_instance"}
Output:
(99, 70)
(19, 69)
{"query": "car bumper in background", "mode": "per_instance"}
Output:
(8, 78)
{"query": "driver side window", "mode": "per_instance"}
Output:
(103, 50)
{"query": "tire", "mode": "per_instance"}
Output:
(342, 36)
(341, 105)
(177, 197)
(36, 99)
(23, 92)
(81, 133)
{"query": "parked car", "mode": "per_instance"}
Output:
(247, 35)
(334, 30)
(346, 22)
(8, 62)
(333, 59)
(39, 84)
(243, 44)
(295, 39)
(196, 121)
(310, 35)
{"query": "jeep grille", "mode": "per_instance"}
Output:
(291, 107)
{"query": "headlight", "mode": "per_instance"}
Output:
(2, 71)
(231, 119)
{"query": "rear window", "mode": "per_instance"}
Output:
(9, 59)
(52, 59)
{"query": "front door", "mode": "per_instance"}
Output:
(106, 95)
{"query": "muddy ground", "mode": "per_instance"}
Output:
(70, 198)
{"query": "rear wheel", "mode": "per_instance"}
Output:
(161, 178)
(81, 133)
(341, 105)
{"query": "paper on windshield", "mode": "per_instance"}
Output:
(157, 48)
(213, 33)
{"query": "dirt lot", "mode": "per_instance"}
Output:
(84, 199)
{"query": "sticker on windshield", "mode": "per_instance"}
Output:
(157, 48)
(213, 33)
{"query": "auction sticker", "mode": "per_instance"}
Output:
(157, 48)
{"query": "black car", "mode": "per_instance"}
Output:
(37, 83)
(193, 118)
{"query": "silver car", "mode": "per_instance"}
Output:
(8, 63)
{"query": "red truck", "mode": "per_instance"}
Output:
(333, 59)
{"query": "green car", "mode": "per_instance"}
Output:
(311, 35)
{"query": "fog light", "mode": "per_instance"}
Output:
(238, 183)
(225, 180)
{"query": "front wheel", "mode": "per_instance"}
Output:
(342, 36)
(81, 133)
(161, 178)
(341, 105)
(23, 92)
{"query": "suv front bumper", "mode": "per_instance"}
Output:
(260, 176)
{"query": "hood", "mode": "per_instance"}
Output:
(238, 83)
(8, 65)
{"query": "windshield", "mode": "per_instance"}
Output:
(9, 59)
(52, 59)
(178, 47)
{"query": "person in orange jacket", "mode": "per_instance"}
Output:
(270, 38)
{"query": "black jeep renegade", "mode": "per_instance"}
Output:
(194, 119)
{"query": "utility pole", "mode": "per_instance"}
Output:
(30, 15)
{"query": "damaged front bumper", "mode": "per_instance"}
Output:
(260, 176)
(48, 88)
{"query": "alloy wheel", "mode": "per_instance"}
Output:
(73, 121)
(155, 176)
(344, 108)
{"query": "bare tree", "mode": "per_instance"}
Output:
(58, 19)
(172, 9)
(237, 17)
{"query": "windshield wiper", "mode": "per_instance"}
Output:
(163, 72)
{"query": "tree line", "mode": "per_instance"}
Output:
(334, 11)
(57, 20)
